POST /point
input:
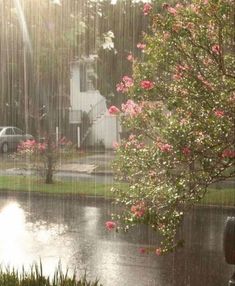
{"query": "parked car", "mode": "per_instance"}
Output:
(10, 137)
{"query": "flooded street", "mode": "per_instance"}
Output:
(72, 231)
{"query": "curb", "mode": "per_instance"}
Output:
(72, 196)
(39, 194)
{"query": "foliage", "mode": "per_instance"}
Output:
(181, 112)
(44, 156)
(12, 277)
(39, 40)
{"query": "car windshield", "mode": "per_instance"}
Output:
(1, 129)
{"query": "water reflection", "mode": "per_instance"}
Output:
(13, 234)
(72, 231)
(23, 242)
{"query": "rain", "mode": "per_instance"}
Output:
(68, 81)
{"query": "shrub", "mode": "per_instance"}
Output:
(181, 112)
(35, 277)
(45, 155)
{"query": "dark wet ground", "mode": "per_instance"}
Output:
(73, 231)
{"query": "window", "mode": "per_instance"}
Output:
(18, 131)
(9, 131)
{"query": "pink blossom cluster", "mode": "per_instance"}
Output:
(131, 108)
(186, 151)
(205, 82)
(228, 154)
(141, 46)
(158, 251)
(130, 58)
(110, 225)
(165, 147)
(113, 110)
(134, 143)
(179, 71)
(219, 113)
(143, 250)
(147, 84)
(115, 145)
(169, 9)
(31, 146)
(216, 49)
(125, 84)
(64, 142)
(147, 8)
(138, 210)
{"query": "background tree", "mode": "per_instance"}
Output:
(181, 111)
(38, 42)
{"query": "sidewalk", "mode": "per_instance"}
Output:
(94, 163)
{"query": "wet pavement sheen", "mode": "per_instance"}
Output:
(72, 231)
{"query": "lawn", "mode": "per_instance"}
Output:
(19, 183)
(224, 196)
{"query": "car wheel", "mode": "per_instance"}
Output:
(5, 147)
(229, 240)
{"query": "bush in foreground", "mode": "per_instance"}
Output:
(181, 115)
(35, 277)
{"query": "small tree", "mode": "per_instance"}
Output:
(45, 156)
(181, 113)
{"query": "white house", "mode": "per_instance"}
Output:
(88, 110)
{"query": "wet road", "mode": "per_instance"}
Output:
(73, 231)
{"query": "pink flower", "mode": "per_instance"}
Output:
(131, 108)
(147, 84)
(205, 82)
(110, 225)
(158, 251)
(141, 46)
(228, 154)
(138, 210)
(115, 145)
(177, 76)
(142, 250)
(130, 58)
(172, 10)
(125, 84)
(219, 113)
(166, 148)
(120, 87)
(128, 81)
(186, 151)
(207, 61)
(113, 110)
(216, 49)
(147, 8)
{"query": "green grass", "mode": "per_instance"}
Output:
(18, 183)
(224, 196)
(35, 277)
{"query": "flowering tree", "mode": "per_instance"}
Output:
(181, 112)
(44, 156)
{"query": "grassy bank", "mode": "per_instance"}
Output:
(19, 183)
(224, 196)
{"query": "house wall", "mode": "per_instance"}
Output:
(106, 131)
(105, 127)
